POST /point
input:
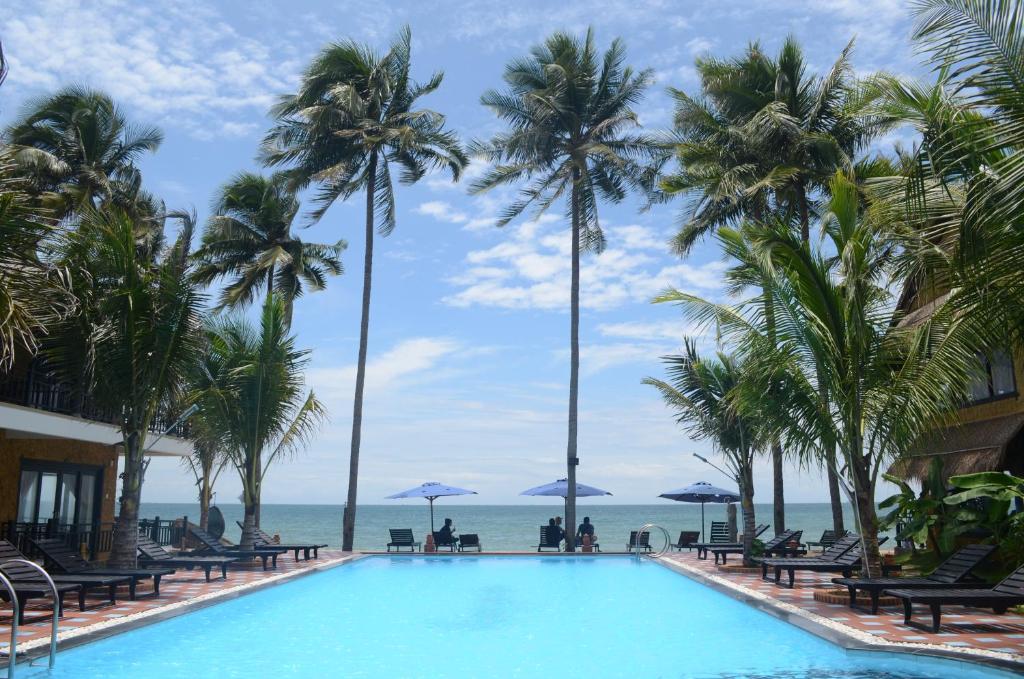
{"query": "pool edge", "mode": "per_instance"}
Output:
(841, 635)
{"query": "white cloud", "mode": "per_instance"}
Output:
(442, 211)
(660, 330)
(597, 357)
(699, 45)
(178, 63)
(393, 368)
(530, 270)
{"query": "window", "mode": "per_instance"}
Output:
(63, 493)
(993, 379)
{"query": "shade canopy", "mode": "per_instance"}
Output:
(431, 490)
(560, 488)
(701, 492)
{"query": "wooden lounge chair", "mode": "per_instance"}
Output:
(841, 557)
(213, 547)
(20, 573)
(687, 540)
(721, 538)
(1009, 592)
(950, 572)
(402, 537)
(777, 546)
(265, 541)
(153, 554)
(37, 589)
(450, 543)
(643, 543)
(827, 539)
(61, 558)
(550, 539)
(469, 541)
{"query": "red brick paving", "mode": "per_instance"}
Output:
(961, 627)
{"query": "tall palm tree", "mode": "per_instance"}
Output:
(249, 239)
(701, 392)
(763, 138)
(569, 111)
(132, 340)
(250, 384)
(884, 385)
(354, 117)
(78, 148)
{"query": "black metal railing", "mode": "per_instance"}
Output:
(92, 538)
(42, 390)
(167, 532)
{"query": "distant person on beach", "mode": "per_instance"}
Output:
(586, 528)
(444, 536)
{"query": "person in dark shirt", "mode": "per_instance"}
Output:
(555, 531)
(586, 528)
(444, 536)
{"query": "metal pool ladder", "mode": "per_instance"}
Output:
(12, 650)
(647, 527)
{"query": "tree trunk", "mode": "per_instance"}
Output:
(867, 518)
(778, 490)
(574, 370)
(205, 491)
(124, 552)
(248, 527)
(250, 496)
(259, 503)
(805, 217)
(835, 496)
(747, 505)
(349, 520)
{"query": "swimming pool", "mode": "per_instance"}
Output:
(489, 616)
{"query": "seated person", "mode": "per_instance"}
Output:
(554, 530)
(445, 536)
(586, 528)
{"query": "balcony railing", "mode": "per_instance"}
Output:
(93, 539)
(41, 390)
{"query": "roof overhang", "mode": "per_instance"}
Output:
(964, 448)
(21, 422)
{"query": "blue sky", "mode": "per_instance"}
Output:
(468, 364)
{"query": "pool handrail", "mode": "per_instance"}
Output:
(12, 658)
(637, 547)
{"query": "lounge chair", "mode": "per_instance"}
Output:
(402, 537)
(720, 538)
(151, 554)
(1009, 592)
(687, 540)
(24, 591)
(439, 542)
(827, 539)
(841, 557)
(550, 539)
(777, 546)
(213, 547)
(469, 541)
(643, 543)
(265, 541)
(62, 558)
(22, 574)
(950, 572)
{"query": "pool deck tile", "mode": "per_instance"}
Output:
(968, 628)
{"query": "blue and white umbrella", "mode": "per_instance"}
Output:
(431, 490)
(560, 488)
(701, 492)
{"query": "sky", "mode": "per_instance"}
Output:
(468, 357)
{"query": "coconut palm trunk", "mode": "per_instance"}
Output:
(349, 521)
(126, 538)
(574, 369)
(746, 483)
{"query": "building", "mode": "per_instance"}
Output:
(988, 431)
(59, 460)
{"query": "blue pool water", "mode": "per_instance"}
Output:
(522, 617)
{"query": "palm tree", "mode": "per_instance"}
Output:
(702, 392)
(760, 141)
(883, 385)
(250, 385)
(249, 239)
(131, 342)
(569, 112)
(78, 148)
(354, 117)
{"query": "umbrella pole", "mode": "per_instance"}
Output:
(703, 537)
(431, 500)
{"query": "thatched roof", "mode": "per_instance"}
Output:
(964, 448)
(923, 313)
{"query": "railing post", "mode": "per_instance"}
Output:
(184, 529)
(155, 531)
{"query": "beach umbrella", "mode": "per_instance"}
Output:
(560, 488)
(701, 492)
(431, 490)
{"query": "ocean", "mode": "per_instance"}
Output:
(500, 527)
